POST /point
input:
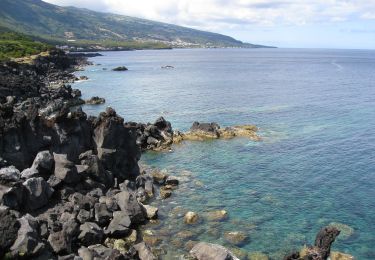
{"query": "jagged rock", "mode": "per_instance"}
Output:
(152, 212)
(144, 252)
(191, 217)
(38, 192)
(146, 181)
(116, 145)
(14, 196)
(8, 229)
(9, 174)
(324, 240)
(28, 242)
(65, 170)
(61, 241)
(128, 203)
(207, 251)
(102, 215)
(82, 201)
(83, 216)
(43, 162)
(119, 225)
(95, 169)
(30, 173)
(90, 234)
(102, 252)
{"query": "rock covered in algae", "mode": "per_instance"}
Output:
(235, 237)
(191, 217)
(217, 215)
(345, 230)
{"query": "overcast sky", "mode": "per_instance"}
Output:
(283, 23)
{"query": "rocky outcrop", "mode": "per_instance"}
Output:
(209, 131)
(68, 182)
(322, 247)
(95, 101)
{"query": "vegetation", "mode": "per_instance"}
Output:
(74, 26)
(15, 45)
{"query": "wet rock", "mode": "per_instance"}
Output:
(95, 101)
(122, 244)
(152, 212)
(171, 180)
(185, 234)
(165, 192)
(324, 240)
(191, 217)
(235, 237)
(128, 203)
(217, 215)
(144, 252)
(8, 229)
(119, 225)
(207, 251)
(121, 68)
(90, 233)
(83, 77)
(159, 177)
(65, 170)
(9, 174)
(38, 192)
(28, 242)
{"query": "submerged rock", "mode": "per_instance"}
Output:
(235, 237)
(191, 217)
(345, 230)
(217, 215)
(207, 251)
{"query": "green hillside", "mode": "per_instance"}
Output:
(75, 26)
(15, 45)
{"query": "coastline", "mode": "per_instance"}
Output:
(104, 153)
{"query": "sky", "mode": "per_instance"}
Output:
(282, 23)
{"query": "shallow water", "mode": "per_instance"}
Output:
(316, 165)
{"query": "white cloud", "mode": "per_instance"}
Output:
(229, 14)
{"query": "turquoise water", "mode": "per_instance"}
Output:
(316, 165)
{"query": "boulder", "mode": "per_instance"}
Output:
(9, 174)
(102, 215)
(65, 170)
(37, 192)
(144, 252)
(90, 234)
(8, 229)
(171, 180)
(152, 212)
(14, 197)
(28, 242)
(128, 203)
(207, 251)
(43, 162)
(191, 217)
(119, 225)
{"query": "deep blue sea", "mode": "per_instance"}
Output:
(316, 164)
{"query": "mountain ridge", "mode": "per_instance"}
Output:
(71, 25)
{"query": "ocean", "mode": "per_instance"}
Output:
(315, 110)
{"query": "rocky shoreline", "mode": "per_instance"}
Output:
(71, 186)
